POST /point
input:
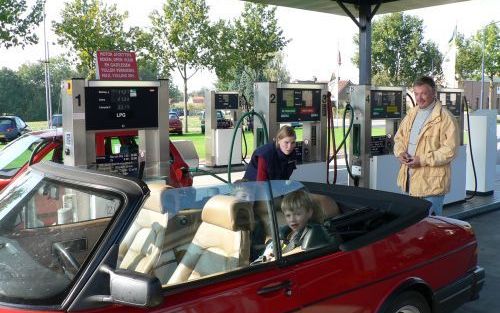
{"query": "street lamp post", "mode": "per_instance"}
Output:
(482, 66)
(48, 100)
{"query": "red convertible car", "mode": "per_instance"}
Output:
(14, 157)
(85, 241)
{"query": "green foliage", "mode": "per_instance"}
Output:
(258, 37)
(23, 92)
(88, 26)
(249, 50)
(12, 93)
(468, 62)
(18, 24)
(399, 53)
(469, 55)
(174, 93)
(276, 69)
(182, 39)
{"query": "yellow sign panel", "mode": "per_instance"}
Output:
(68, 86)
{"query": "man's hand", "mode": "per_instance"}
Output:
(404, 158)
(414, 162)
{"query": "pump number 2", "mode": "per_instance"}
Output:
(272, 98)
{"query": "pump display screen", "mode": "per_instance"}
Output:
(298, 105)
(121, 107)
(386, 104)
(452, 100)
(226, 101)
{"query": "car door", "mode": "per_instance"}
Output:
(267, 290)
(344, 281)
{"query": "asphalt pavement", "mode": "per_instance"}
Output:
(486, 228)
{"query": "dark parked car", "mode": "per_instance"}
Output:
(12, 127)
(174, 123)
(75, 240)
(222, 122)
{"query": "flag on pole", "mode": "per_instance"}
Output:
(339, 60)
(453, 36)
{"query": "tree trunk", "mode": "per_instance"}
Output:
(491, 105)
(184, 77)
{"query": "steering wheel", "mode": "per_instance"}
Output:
(69, 264)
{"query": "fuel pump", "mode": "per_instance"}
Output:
(290, 103)
(102, 118)
(371, 158)
(452, 99)
(482, 153)
(219, 131)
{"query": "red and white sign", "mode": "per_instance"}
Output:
(116, 65)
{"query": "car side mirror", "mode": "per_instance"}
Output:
(132, 288)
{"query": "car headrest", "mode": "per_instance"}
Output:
(228, 212)
(328, 208)
(153, 202)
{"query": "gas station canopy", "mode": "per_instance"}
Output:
(361, 13)
(335, 7)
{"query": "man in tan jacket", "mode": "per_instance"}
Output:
(425, 144)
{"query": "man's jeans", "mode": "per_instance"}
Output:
(437, 204)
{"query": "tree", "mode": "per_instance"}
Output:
(182, 39)
(88, 26)
(174, 92)
(249, 50)
(61, 69)
(399, 53)
(470, 53)
(18, 23)
(32, 77)
(258, 37)
(243, 81)
(276, 69)
(11, 91)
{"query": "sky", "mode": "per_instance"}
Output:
(315, 37)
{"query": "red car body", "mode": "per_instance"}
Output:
(191, 249)
(51, 150)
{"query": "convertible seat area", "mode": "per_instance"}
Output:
(141, 247)
(222, 241)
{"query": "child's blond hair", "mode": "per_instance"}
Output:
(297, 200)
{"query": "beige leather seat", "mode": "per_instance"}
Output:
(141, 247)
(261, 209)
(222, 241)
(328, 208)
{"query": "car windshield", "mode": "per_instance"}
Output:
(16, 154)
(48, 229)
(180, 221)
(173, 116)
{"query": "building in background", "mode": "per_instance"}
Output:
(472, 91)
